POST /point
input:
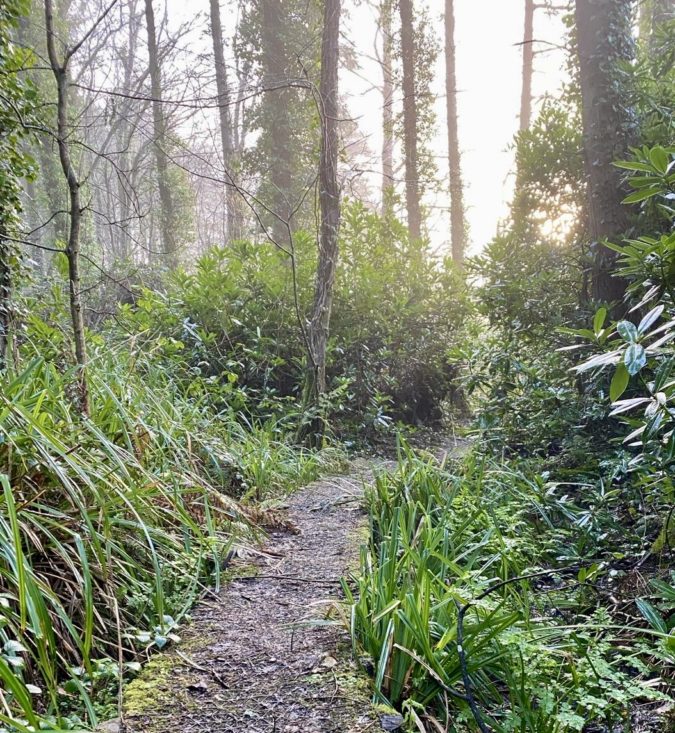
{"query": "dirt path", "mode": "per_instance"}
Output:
(248, 663)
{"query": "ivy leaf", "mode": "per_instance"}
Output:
(619, 382)
(14, 647)
(635, 358)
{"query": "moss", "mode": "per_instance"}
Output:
(237, 571)
(157, 686)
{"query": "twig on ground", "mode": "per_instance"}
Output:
(199, 668)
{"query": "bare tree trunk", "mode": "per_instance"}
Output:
(387, 104)
(60, 71)
(528, 67)
(457, 223)
(604, 37)
(412, 192)
(166, 224)
(329, 202)
(234, 228)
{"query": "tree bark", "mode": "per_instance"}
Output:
(410, 120)
(604, 38)
(166, 224)
(457, 222)
(387, 105)
(275, 69)
(329, 203)
(528, 67)
(234, 228)
(60, 72)
(5, 298)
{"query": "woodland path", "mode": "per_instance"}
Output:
(253, 660)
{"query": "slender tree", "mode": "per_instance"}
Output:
(457, 223)
(60, 71)
(385, 21)
(166, 222)
(410, 120)
(234, 229)
(329, 203)
(604, 38)
(528, 67)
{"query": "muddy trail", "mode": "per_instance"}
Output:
(263, 656)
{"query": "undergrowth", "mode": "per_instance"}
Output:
(487, 601)
(111, 525)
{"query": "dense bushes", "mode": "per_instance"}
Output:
(235, 318)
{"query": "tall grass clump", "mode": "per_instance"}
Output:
(110, 525)
(475, 610)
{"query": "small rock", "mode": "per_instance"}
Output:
(391, 722)
(200, 686)
(109, 726)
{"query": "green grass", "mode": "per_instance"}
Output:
(478, 549)
(111, 525)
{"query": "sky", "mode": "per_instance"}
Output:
(488, 78)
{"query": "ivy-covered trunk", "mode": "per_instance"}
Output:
(457, 223)
(605, 42)
(5, 298)
(410, 122)
(329, 202)
(167, 218)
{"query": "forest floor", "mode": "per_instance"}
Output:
(268, 654)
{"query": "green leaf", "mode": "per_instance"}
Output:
(649, 319)
(619, 382)
(599, 320)
(627, 331)
(659, 159)
(635, 358)
(631, 165)
(652, 615)
(641, 195)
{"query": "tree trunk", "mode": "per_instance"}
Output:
(166, 224)
(528, 67)
(387, 105)
(275, 69)
(234, 229)
(60, 71)
(457, 223)
(5, 298)
(412, 193)
(604, 37)
(329, 203)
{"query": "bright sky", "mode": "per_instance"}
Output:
(488, 78)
